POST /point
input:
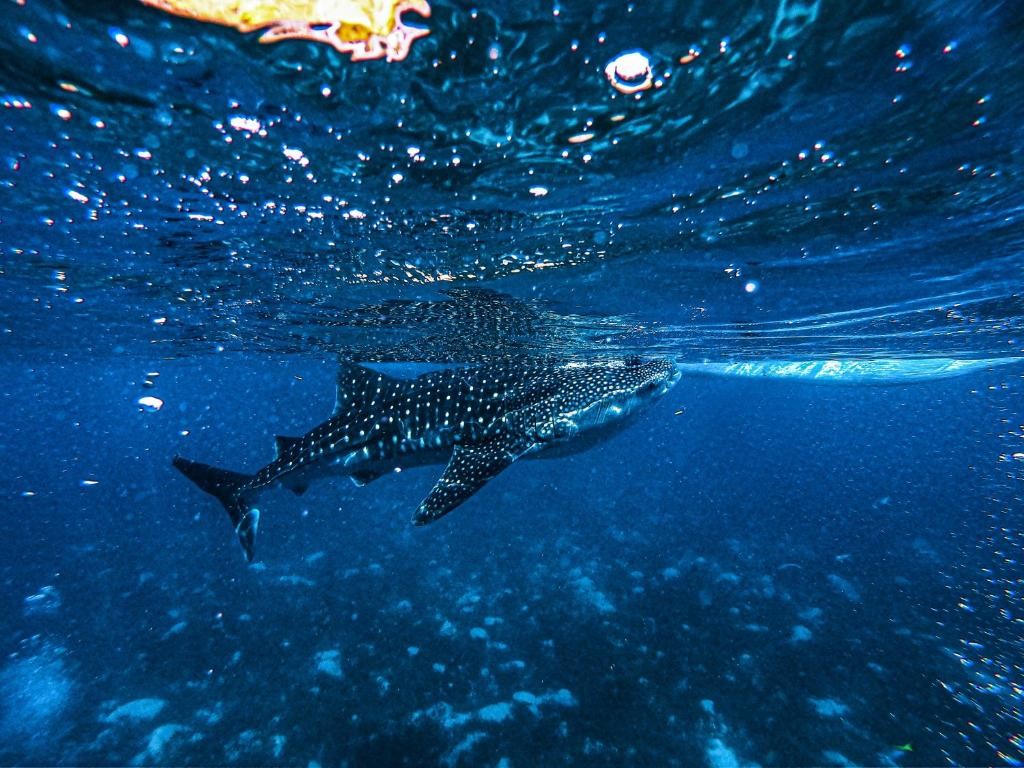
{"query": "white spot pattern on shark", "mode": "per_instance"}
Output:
(478, 420)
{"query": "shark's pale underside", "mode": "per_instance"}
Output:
(477, 420)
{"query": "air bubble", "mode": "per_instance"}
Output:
(119, 37)
(630, 71)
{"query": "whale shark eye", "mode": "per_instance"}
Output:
(634, 361)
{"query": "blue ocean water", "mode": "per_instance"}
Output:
(808, 553)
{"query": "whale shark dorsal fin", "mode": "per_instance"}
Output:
(469, 468)
(284, 442)
(357, 384)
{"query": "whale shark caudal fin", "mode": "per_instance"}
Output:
(227, 487)
(469, 468)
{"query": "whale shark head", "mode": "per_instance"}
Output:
(600, 395)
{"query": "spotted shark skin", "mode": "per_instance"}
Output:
(476, 420)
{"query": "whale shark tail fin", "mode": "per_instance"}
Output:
(228, 488)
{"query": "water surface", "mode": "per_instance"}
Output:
(807, 554)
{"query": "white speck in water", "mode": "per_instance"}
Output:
(241, 123)
(119, 37)
(296, 156)
(151, 404)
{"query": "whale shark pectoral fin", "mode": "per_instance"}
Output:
(469, 468)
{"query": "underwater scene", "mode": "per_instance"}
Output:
(408, 383)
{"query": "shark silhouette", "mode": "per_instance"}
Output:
(478, 420)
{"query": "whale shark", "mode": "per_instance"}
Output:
(477, 421)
